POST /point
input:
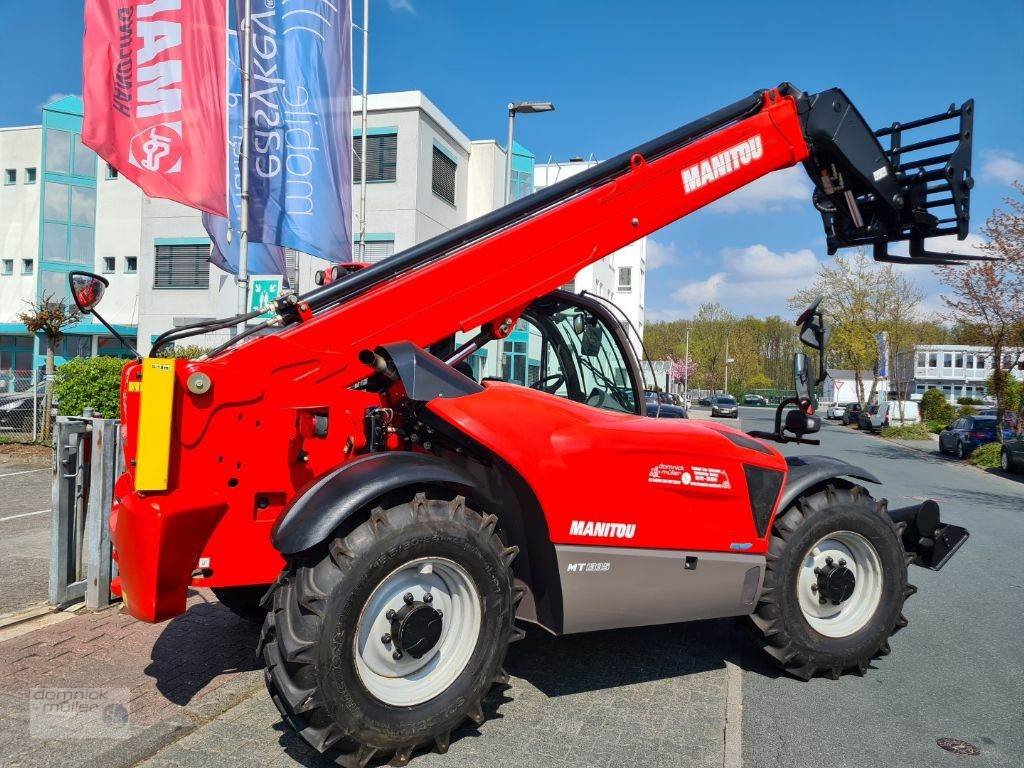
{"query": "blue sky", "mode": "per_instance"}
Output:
(621, 73)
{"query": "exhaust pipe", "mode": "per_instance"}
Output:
(926, 539)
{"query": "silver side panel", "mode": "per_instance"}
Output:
(610, 587)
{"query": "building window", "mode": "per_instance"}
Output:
(947, 360)
(131, 264)
(58, 151)
(83, 206)
(958, 361)
(625, 279)
(981, 362)
(30, 175)
(922, 359)
(442, 179)
(85, 159)
(27, 266)
(376, 250)
(7, 267)
(381, 157)
(109, 264)
(108, 346)
(970, 362)
(111, 171)
(16, 353)
(182, 266)
(11, 176)
(933, 359)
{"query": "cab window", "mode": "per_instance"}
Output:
(562, 349)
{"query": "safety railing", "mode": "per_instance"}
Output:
(87, 459)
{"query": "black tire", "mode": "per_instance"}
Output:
(309, 634)
(244, 602)
(783, 631)
(960, 452)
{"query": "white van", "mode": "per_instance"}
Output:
(890, 414)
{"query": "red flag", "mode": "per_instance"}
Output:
(155, 96)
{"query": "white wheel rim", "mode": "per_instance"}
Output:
(862, 559)
(409, 681)
(1004, 460)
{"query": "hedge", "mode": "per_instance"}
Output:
(987, 455)
(89, 382)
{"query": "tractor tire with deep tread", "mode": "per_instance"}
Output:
(310, 639)
(782, 626)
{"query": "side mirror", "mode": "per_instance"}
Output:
(87, 289)
(800, 423)
(814, 334)
(802, 375)
(590, 341)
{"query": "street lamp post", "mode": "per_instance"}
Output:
(514, 108)
(728, 360)
(686, 369)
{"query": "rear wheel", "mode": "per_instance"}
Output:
(835, 583)
(384, 641)
(1004, 460)
(960, 452)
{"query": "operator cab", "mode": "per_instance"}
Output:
(569, 346)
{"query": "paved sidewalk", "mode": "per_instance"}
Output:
(178, 674)
(640, 697)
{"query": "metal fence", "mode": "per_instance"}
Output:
(87, 460)
(21, 404)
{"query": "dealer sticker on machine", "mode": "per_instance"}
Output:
(693, 476)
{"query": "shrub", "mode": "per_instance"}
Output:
(89, 382)
(966, 410)
(186, 352)
(932, 403)
(968, 401)
(987, 455)
(908, 432)
(936, 425)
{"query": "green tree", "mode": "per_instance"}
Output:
(50, 317)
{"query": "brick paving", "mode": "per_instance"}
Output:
(641, 697)
(166, 667)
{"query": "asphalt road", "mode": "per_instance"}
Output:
(956, 671)
(24, 535)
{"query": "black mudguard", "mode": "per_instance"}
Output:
(318, 511)
(808, 471)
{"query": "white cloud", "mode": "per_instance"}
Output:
(753, 280)
(401, 5)
(775, 192)
(660, 254)
(1001, 166)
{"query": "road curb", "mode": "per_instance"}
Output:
(155, 737)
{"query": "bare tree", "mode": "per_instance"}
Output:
(50, 317)
(989, 295)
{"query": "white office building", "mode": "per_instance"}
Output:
(958, 370)
(61, 208)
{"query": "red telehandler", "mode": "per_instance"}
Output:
(397, 516)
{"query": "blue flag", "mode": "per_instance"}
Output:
(300, 126)
(264, 259)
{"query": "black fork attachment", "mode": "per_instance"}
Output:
(919, 187)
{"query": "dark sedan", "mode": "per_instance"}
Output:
(1011, 458)
(16, 410)
(658, 408)
(852, 414)
(725, 405)
(969, 432)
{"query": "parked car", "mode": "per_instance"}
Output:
(752, 399)
(704, 401)
(1011, 458)
(836, 410)
(724, 405)
(889, 414)
(16, 409)
(969, 432)
(851, 414)
(657, 407)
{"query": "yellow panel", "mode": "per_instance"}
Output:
(155, 411)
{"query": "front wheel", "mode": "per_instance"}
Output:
(383, 641)
(835, 583)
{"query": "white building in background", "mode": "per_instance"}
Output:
(958, 370)
(61, 208)
(840, 386)
(619, 277)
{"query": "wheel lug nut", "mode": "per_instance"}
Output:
(409, 598)
(390, 615)
(385, 638)
(396, 655)
(439, 612)
(829, 561)
(428, 598)
(814, 587)
(842, 562)
(822, 600)
(817, 571)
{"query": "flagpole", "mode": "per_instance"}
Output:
(243, 236)
(362, 132)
